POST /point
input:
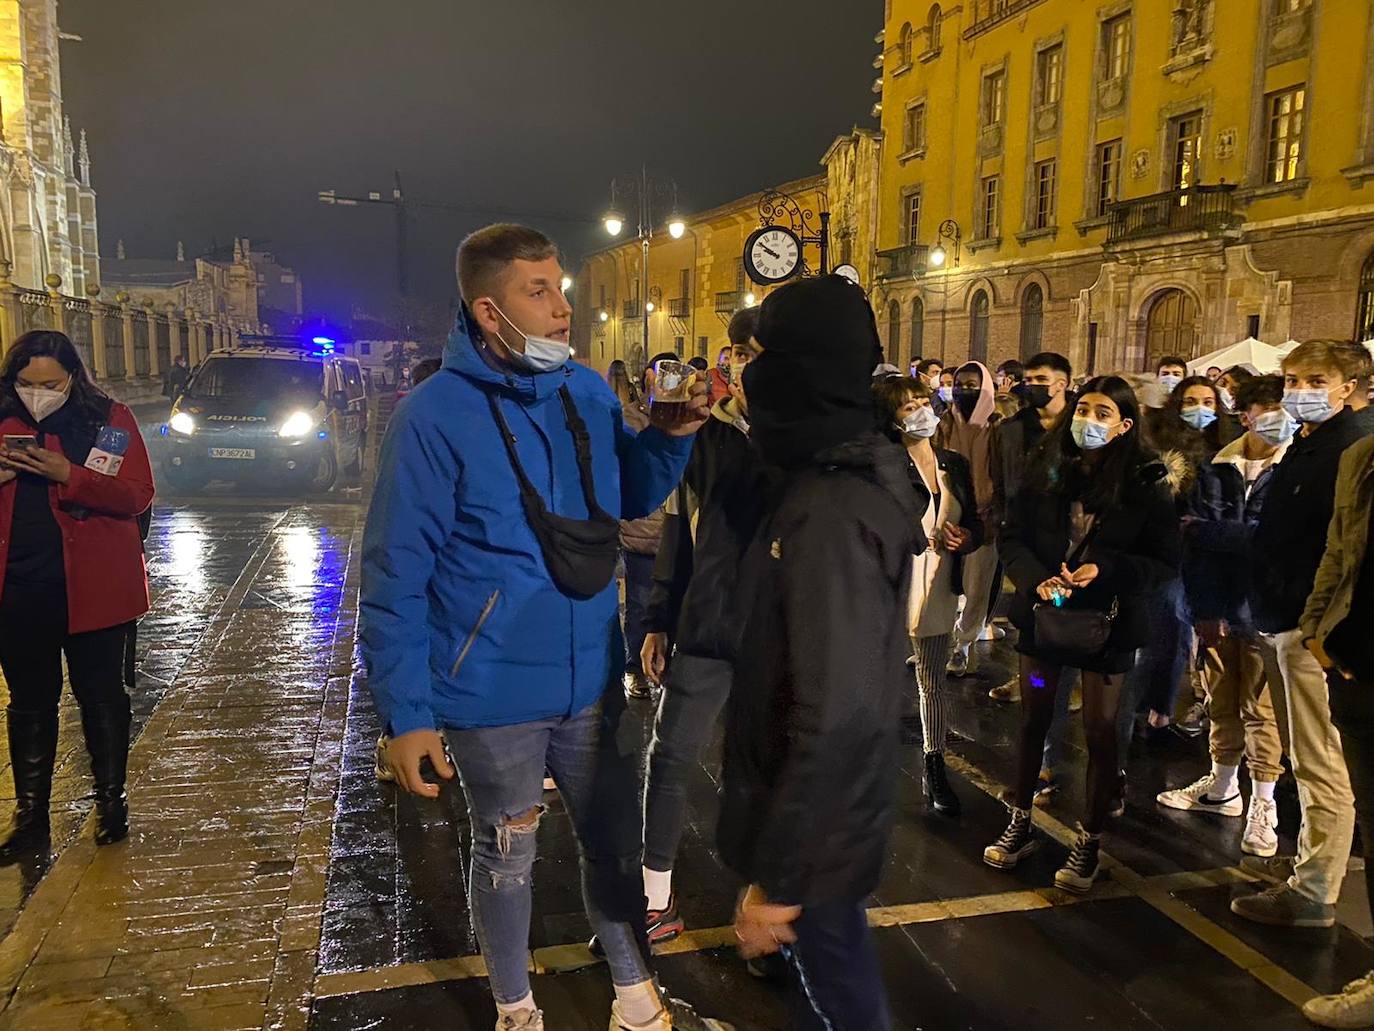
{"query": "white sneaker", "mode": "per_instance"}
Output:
(991, 632)
(1353, 1007)
(384, 773)
(1260, 824)
(675, 1014)
(1197, 798)
(525, 1020)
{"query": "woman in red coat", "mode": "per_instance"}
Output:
(74, 478)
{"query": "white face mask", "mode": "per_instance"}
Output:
(920, 424)
(542, 354)
(42, 402)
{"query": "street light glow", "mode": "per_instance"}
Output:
(937, 256)
(614, 224)
(749, 300)
(676, 228)
(604, 316)
(567, 283)
(649, 307)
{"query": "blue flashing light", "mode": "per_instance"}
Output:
(162, 430)
(323, 341)
(324, 435)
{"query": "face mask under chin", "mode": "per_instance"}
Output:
(542, 354)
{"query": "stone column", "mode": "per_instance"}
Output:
(154, 363)
(9, 308)
(56, 301)
(173, 333)
(193, 338)
(101, 366)
(126, 321)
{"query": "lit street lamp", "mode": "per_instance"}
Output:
(939, 254)
(567, 283)
(645, 190)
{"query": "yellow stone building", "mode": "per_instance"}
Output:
(696, 283)
(47, 206)
(1123, 179)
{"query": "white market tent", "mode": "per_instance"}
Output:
(1255, 355)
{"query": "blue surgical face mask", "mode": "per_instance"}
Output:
(542, 354)
(1276, 427)
(1090, 435)
(1169, 380)
(1309, 405)
(920, 424)
(1199, 417)
(946, 394)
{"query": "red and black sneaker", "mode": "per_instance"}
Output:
(664, 926)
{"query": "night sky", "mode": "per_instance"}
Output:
(216, 119)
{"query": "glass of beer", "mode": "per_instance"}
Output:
(672, 384)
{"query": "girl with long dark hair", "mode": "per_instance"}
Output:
(74, 478)
(1091, 534)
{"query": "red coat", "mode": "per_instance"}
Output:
(107, 581)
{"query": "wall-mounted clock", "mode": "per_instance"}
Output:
(849, 272)
(772, 254)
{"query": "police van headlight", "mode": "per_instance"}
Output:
(297, 424)
(182, 423)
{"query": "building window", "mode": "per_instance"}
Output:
(1107, 166)
(365, 348)
(1285, 135)
(1032, 320)
(1044, 194)
(913, 217)
(994, 97)
(978, 328)
(914, 133)
(1116, 46)
(918, 327)
(684, 286)
(905, 45)
(1049, 76)
(1185, 145)
(990, 210)
(933, 21)
(1192, 25)
(1364, 317)
(703, 344)
(678, 344)
(894, 328)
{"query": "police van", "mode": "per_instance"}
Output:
(274, 411)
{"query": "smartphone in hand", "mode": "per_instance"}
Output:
(20, 442)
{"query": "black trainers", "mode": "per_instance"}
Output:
(1016, 843)
(1080, 870)
(939, 795)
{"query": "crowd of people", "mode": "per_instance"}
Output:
(808, 532)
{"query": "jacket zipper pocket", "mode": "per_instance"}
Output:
(482, 618)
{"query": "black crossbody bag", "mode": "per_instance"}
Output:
(580, 553)
(1080, 633)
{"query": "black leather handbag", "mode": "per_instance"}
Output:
(1074, 633)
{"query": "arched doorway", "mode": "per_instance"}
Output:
(978, 328)
(894, 332)
(1170, 326)
(918, 327)
(1032, 321)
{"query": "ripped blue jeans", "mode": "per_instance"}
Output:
(593, 758)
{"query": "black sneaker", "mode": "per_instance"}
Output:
(1080, 870)
(1118, 808)
(663, 925)
(939, 795)
(1016, 843)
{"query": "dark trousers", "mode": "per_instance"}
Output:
(1352, 711)
(33, 640)
(639, 583)
(835, 971)
(694, 694)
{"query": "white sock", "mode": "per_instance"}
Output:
(1227, 782)
(639, 1003)
(522, 1006)
(658, 888)
(1264, 789)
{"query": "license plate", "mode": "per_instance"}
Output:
(233, 452)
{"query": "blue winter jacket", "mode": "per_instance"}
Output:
(451, 567)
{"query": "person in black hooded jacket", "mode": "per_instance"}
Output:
(1093, 530)
(811, 748)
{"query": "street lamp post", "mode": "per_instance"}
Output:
(939, 254)
(645, 189)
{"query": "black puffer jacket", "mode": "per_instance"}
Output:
(811, 747)
(1136, 548)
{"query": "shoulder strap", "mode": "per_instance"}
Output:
(581, 444)
(527, 490)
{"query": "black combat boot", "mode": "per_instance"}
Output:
(33, 751)
(939, 794)
(107, 739)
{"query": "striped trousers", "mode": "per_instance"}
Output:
(932, 653)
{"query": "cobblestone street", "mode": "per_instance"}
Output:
(271, 882)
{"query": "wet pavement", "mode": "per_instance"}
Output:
(271, 882)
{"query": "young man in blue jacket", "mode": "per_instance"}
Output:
(489, 611)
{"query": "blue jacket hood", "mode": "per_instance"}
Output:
(463, 354)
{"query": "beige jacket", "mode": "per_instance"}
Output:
(1346, 541)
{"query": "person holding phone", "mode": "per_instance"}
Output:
(74, 478)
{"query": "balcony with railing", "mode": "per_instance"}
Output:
(631, 309)
(908, 260)
(679, 307)
(987, 14)
(729, 301)
(1197, 209)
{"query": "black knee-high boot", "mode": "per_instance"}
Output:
(107, 739)
(33, 751)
